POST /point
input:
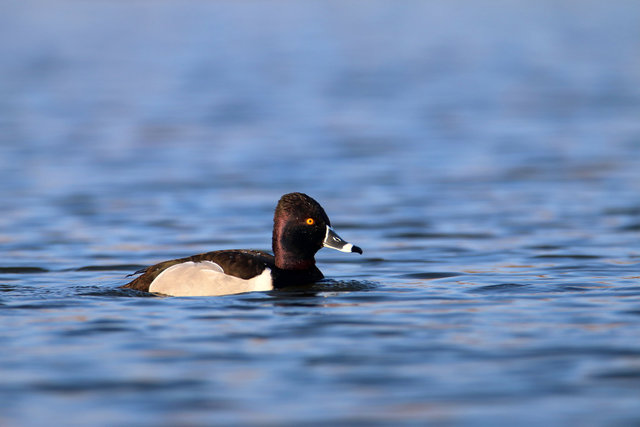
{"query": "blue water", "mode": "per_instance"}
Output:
(484, 154)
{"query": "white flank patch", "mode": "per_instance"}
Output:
(206, 278)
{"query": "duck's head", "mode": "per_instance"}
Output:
(300, 229)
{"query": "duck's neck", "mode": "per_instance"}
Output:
(285, 262)
(288, 254)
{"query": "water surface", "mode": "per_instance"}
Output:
(485, 155)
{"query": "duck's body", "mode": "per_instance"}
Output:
(301, 228)
(223, 272)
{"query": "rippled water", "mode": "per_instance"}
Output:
(485, 155)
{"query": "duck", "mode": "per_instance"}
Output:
(300, 229)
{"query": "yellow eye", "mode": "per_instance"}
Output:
(310, 221)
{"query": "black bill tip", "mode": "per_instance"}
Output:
(356, 249)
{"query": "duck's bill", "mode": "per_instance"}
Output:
(333, 241)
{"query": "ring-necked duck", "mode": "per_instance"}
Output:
(300, 229)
